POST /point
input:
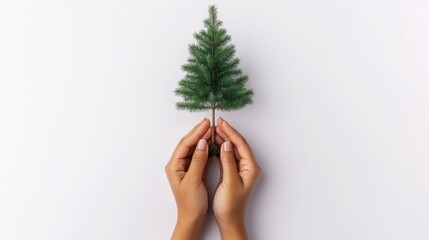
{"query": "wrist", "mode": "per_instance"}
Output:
(233, 230)
(187, 228)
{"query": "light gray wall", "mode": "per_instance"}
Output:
(339, 124)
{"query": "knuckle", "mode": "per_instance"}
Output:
(167, 168)
(244, 140)
(182, 140)
(239, 136)
(228, 158)
(198, 158)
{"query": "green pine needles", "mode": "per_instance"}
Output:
(213, 79)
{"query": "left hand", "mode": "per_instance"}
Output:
(186, 174)
(239, 174)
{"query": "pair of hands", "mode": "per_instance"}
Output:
(186, 174)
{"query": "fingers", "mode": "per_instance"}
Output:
(219, 140)
(220, 133)
(249, 170)
(189, 140)
(198, 162)
(179, 161)
(221, 137)
(229, 164)
(208, 134)
(235, 137)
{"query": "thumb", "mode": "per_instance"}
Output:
(229, 164)
(198, 162)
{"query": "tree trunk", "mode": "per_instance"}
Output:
(214, 149)
(213, 126)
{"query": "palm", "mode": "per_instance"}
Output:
(219, 200)
(226, 201)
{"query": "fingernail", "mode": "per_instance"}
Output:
(227, 147)
(202, 144)
(202, 120)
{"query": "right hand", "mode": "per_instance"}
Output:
(239, 173)
(186, 174)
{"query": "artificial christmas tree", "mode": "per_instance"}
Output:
(213, 79)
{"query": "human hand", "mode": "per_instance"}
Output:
(239, 173)
(186, 174)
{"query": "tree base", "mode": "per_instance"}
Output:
(214, 150)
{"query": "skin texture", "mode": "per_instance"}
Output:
(186, 174)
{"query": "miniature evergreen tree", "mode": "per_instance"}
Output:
(213, 79)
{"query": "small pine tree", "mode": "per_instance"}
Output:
(213, 79)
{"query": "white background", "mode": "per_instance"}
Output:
(339, 124)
